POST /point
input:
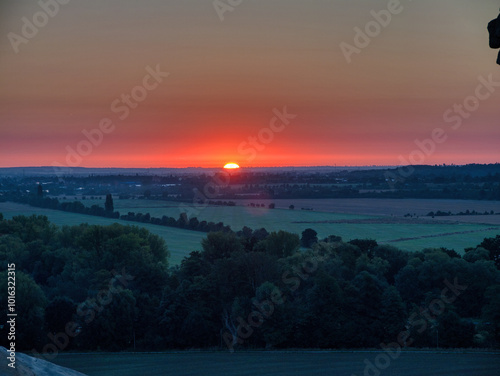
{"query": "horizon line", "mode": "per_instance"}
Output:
(250, 167)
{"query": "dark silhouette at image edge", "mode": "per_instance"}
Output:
(494, 32)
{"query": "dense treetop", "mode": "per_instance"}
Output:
(250, 289)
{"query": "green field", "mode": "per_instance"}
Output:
(387, 206)
(179, 242)
(307, 363)
(410, 234)
(385, 228)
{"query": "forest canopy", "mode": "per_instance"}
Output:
(91, 287)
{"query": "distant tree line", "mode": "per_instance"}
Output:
(440, 213)
(470, 182)
(261, 205)
(73, 206)
(108, 211)
(111, 288)
(222, 203)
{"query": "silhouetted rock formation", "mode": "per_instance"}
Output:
(494, 32)
(30, 366)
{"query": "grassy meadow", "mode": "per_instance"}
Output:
(179, 242)
(309, 363)
(384, 221)
(378, 219)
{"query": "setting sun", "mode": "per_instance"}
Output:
(231, 165)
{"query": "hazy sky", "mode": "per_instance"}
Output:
(230, 72)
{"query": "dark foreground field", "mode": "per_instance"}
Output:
(284, 363)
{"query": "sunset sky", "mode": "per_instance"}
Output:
(231, 73)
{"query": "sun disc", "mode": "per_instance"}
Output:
(231, 165)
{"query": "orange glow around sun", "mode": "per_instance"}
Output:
(231, 165)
